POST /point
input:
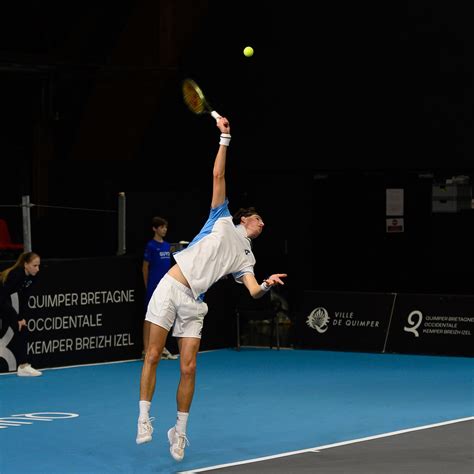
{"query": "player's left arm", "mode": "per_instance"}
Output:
(257, 290)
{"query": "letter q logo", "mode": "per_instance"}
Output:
(414, 319)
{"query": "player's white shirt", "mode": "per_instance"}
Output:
(220, 249)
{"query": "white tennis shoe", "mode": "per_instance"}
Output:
(28, 371)
(166, 354)
(145, 430)
(178, 442)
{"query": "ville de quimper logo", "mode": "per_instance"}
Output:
(318, 319)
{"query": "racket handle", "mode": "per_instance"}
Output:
(215, 115)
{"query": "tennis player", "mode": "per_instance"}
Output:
(222, 247)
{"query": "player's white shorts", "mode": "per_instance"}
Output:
(173, 303)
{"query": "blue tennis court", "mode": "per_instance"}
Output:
(249, 404)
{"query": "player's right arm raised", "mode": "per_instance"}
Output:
(218, 173)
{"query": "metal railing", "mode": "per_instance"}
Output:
(26, 206)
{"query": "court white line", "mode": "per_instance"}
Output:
(328, 446)
(95, 363)
(78, 365)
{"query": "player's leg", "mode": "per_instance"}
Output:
(156, 342)
(188, 350)
(188, 329)
(146, 324)
(146, 336)
(161, 314)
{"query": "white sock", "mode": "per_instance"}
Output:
(181, 422)
(144, 409)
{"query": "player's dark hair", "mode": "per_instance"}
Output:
(158, 221)
(243, 212)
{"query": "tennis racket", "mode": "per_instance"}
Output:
(195, 100)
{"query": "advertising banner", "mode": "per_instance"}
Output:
(347, 321)
(81, 311)
(432, 324)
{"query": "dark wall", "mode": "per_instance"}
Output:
(333, 108)
(355, 251)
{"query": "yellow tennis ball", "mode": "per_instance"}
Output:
(248, 51)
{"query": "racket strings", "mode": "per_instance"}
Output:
(193, 97)
(194, 102)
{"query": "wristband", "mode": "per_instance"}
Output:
(225, 139)
(264, 287)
